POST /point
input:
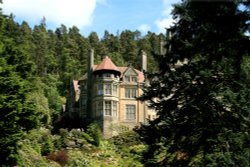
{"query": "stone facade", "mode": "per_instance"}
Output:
(107, 94)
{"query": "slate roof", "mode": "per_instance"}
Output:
(106, 64)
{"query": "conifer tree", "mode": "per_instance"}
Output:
(202, 103)
(17, 113)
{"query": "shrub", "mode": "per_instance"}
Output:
(47, 146)
(94, 131)
(60, 157)
(30, 157)
(77, 159)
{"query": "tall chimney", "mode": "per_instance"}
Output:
(90, 60)
(89, 83)
(163, 49)
(144, 61)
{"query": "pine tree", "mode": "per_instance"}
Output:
(17, 113)
(202, 103)
(41, 52)
(129, 49)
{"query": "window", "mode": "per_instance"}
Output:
(100, 107)
(84, 87)
(130, 112)
(100, 89)
(108, 89)
(127, 78)
(84, 102)
(115, 90)
(104, 89)
(130, 92)
(107, 75)
(130, 78)
(107, 108)
(134, 79)
(114, 108)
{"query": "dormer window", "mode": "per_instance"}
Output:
(130, 78)
(127, 79)
(134, 79)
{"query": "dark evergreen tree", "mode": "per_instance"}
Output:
(200, 92)
(83, 47)
(129, 46)
(41, 52)
(111, 42)
(17, 113)
(97, 46)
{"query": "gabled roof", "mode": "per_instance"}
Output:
(139, 73)
(106, 64)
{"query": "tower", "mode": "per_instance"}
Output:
(105, 99)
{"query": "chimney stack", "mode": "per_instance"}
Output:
(90, 60)
(144, 61)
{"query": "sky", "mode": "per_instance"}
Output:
(94, 15)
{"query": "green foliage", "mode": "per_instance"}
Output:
(41, 106)
(94, 131)
(77, 159)
(29, 157)
(126, 139)
(202, 104)
(36, 67)
(17, 113)
(52, 94)
(130, 147)
(33, 144)
(71, 148)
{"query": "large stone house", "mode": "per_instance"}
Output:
(107, 94)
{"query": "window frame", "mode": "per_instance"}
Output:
(114, 108)
(133, 78)
(130, 93)
(107, 108)
(100, 89)
(127, 78)
(100, 107)
(130, 112)
(107, 89)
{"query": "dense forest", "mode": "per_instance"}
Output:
(203, 106)
(37, 66)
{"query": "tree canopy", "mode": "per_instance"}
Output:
(200, 92)
(37, 66)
